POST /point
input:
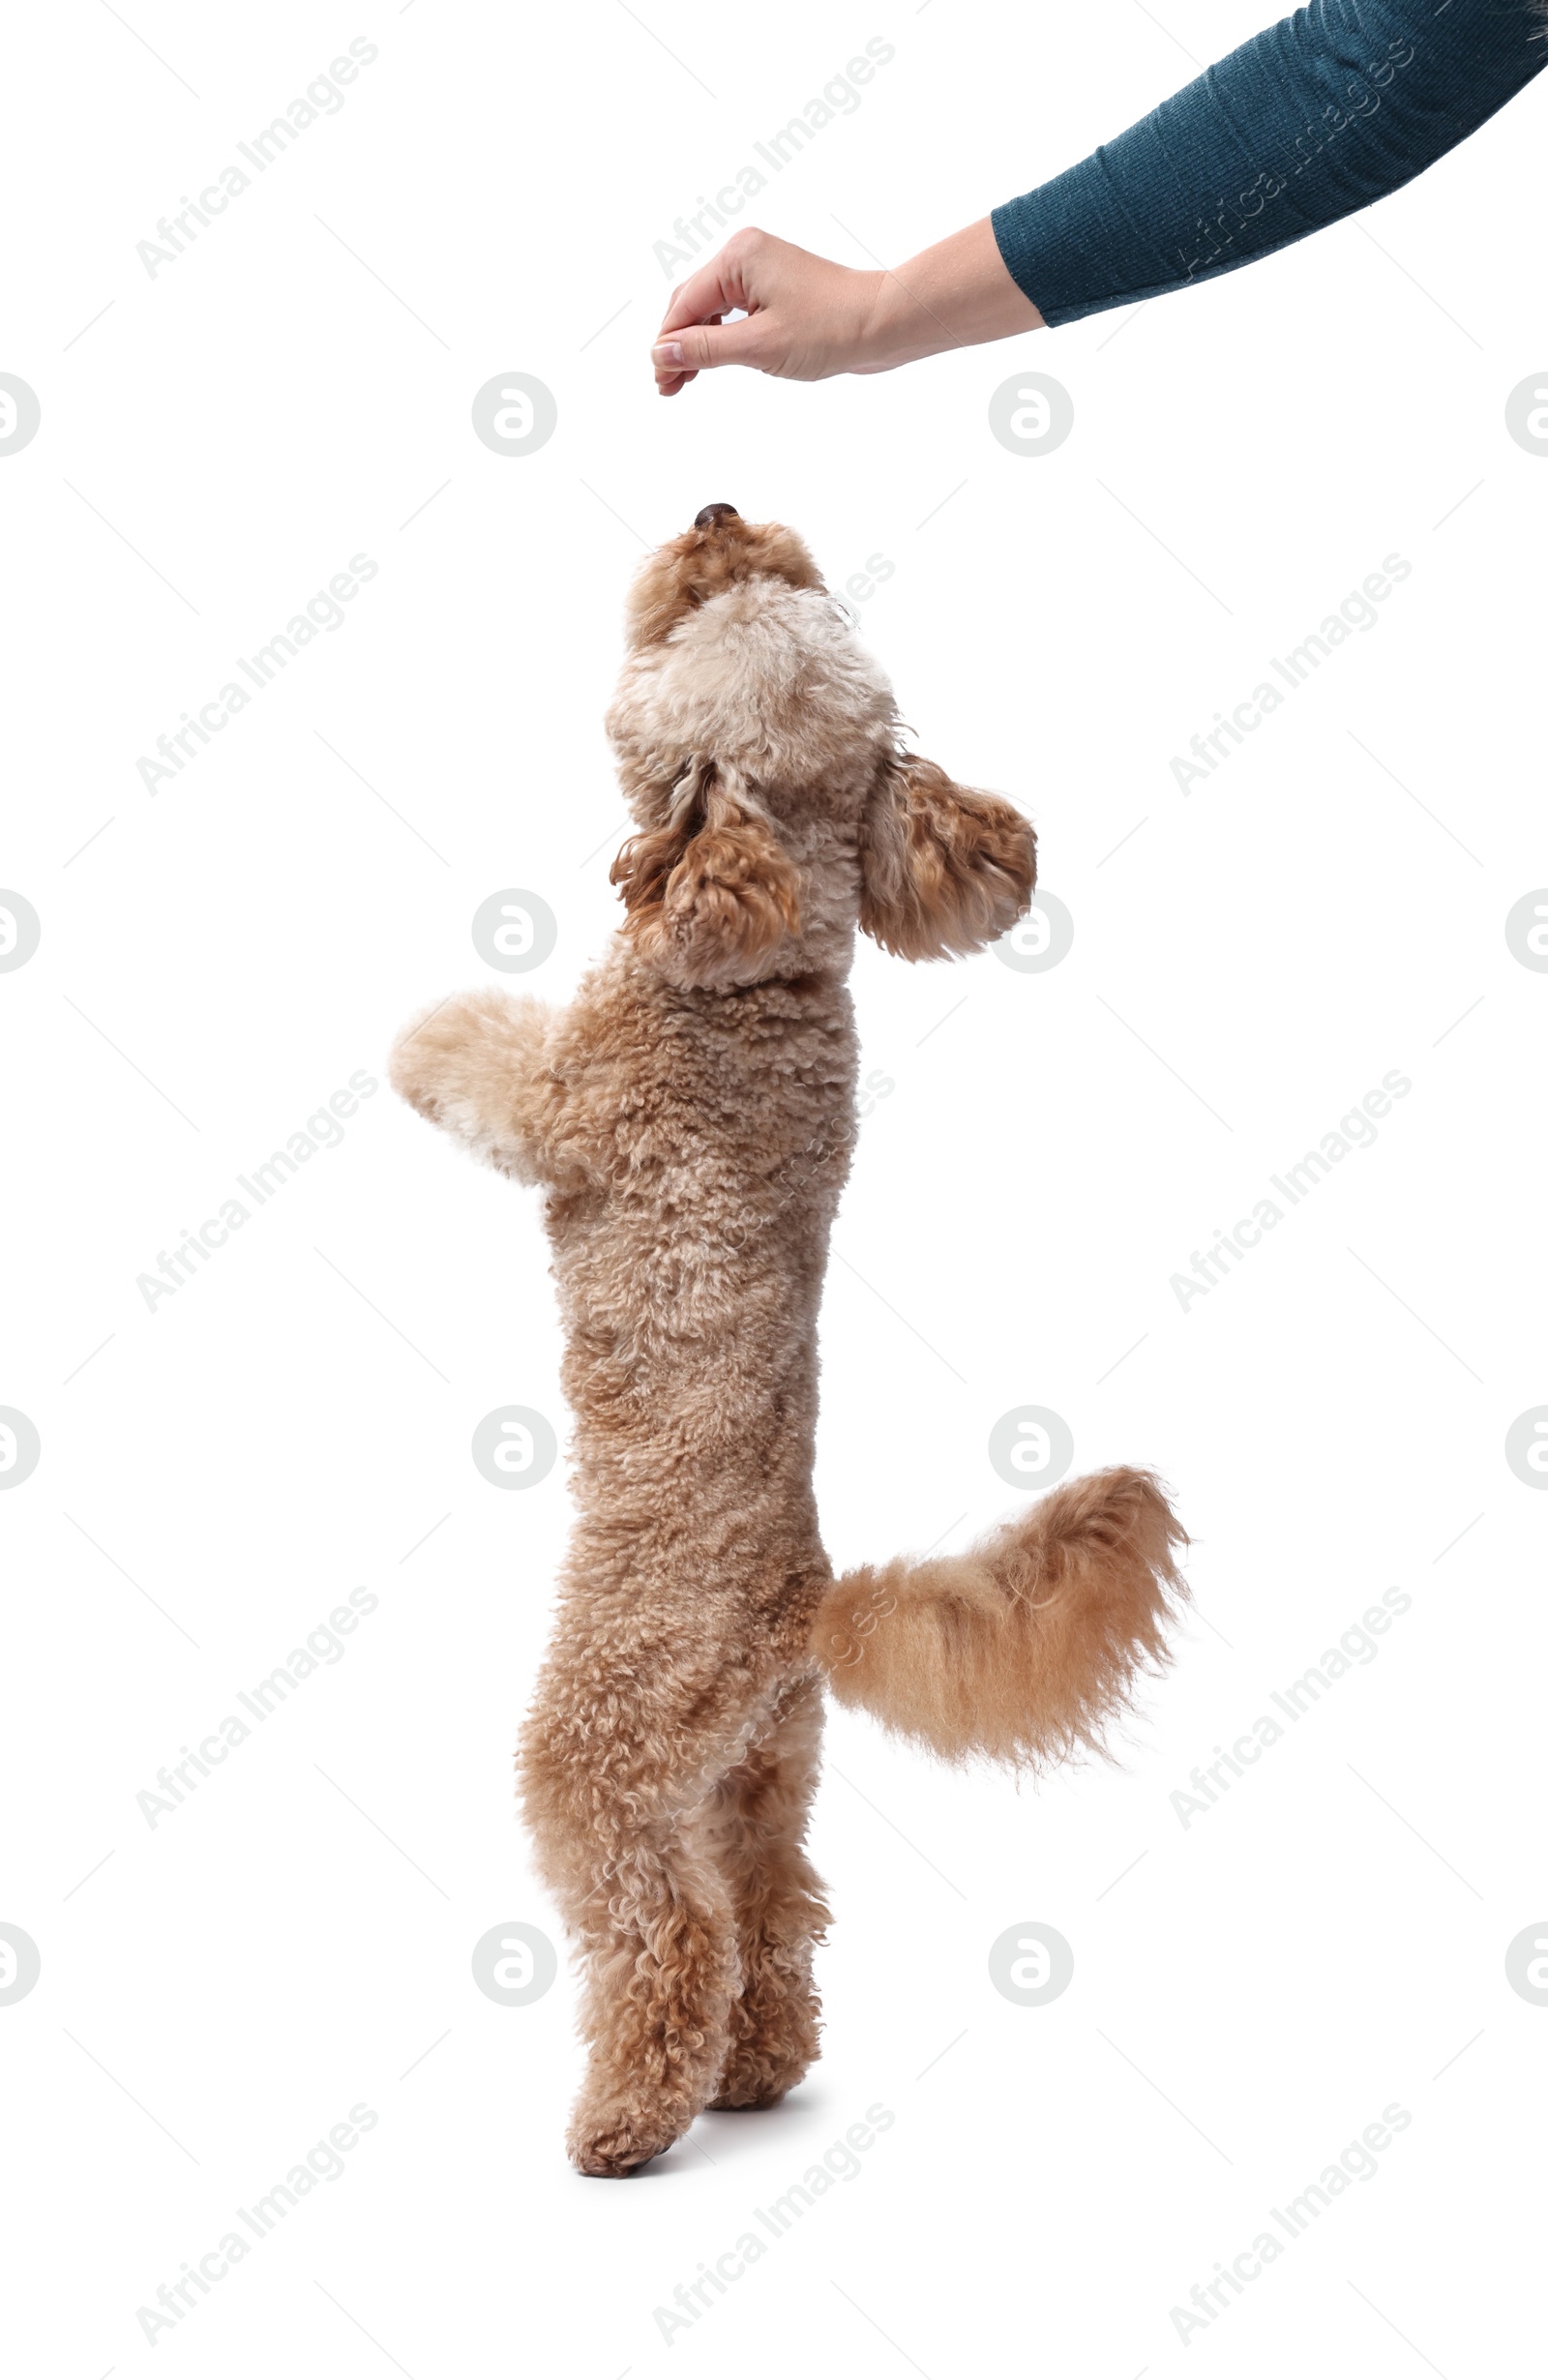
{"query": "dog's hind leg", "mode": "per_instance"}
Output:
(756, 1821)
(647, 1906)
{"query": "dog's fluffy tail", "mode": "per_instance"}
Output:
(1023, 1649)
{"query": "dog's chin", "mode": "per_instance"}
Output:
(690, 570)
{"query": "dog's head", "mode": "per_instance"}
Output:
(761, 752)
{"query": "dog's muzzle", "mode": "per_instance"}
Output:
(712, 513)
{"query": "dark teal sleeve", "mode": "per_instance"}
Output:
(1320, 115)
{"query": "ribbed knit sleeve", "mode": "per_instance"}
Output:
(1316, 118)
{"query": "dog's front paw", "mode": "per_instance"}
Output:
(416, 1063)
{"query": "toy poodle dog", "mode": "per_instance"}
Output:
(690, 1120)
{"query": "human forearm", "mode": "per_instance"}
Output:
(957, 294)
(1314, 118)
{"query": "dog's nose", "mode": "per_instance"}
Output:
(712, 513)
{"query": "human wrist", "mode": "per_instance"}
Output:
(905, 323)
(958, 293)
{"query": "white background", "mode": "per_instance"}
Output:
(218, 958)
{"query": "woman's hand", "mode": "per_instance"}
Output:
(807, 319)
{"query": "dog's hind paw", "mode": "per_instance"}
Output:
(611, 2138)
(758, 2075)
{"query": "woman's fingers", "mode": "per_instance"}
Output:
(715, 289)
(718, 289)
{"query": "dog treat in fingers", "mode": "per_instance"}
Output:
(690, 1118)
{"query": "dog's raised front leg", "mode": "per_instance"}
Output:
(476, 1065)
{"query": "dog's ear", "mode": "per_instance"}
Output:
(712, 888)
(943, 870)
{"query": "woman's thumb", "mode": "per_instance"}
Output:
(700, 346)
